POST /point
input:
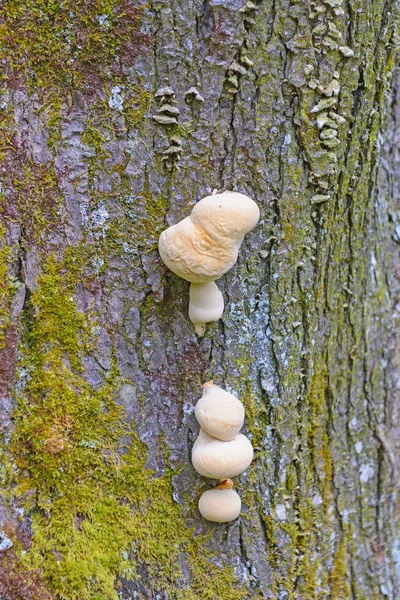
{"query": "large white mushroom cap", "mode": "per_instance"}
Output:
(227, 214)
(205, 245)
(219, 413)
(220, 505)
(219, 460)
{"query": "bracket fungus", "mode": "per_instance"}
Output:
(221, 504)
(205, 245)
(219, 413)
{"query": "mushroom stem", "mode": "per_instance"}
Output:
(224, 484)
(200, 329)
(208, 383)
(206, 305)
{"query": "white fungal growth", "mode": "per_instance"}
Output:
(220, 451)
(169, 109)
(164, 120)
(333, 31)
(221, 504)
(320, 199)
(329, 42)
(219, 413)
(308, 69)
(333, 3)
(206, 305)
(205, 245)
(193, 94)
(332, 143)
(319, 29)
(218, 460)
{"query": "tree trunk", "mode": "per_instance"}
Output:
(295, 105)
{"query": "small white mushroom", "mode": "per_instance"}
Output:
(164, 91)
(219, 413)
(219, 460)
(221, 504)
(206, 305)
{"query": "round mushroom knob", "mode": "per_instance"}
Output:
(205, 245)
(206, 305)
(219, 460)
(219, 413)
(220, 505)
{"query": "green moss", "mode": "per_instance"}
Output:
(96, 511)
(50, 42)
(327, 481)
(340, 589)
(316, 406)
(136, 106)
(55, 47)
(7, 286)
(37, 198)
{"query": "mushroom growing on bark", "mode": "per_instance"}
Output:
(205, 245)
(206, 305)
(216, 459)
(219, 413)
(221, 504)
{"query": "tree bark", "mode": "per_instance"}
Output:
(100, 366)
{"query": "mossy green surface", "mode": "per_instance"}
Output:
(49, 42)
(7, 286)
(97, 512)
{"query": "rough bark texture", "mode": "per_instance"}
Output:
(100, 367)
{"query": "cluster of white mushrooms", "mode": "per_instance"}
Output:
(220, 451)
(200, 249)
